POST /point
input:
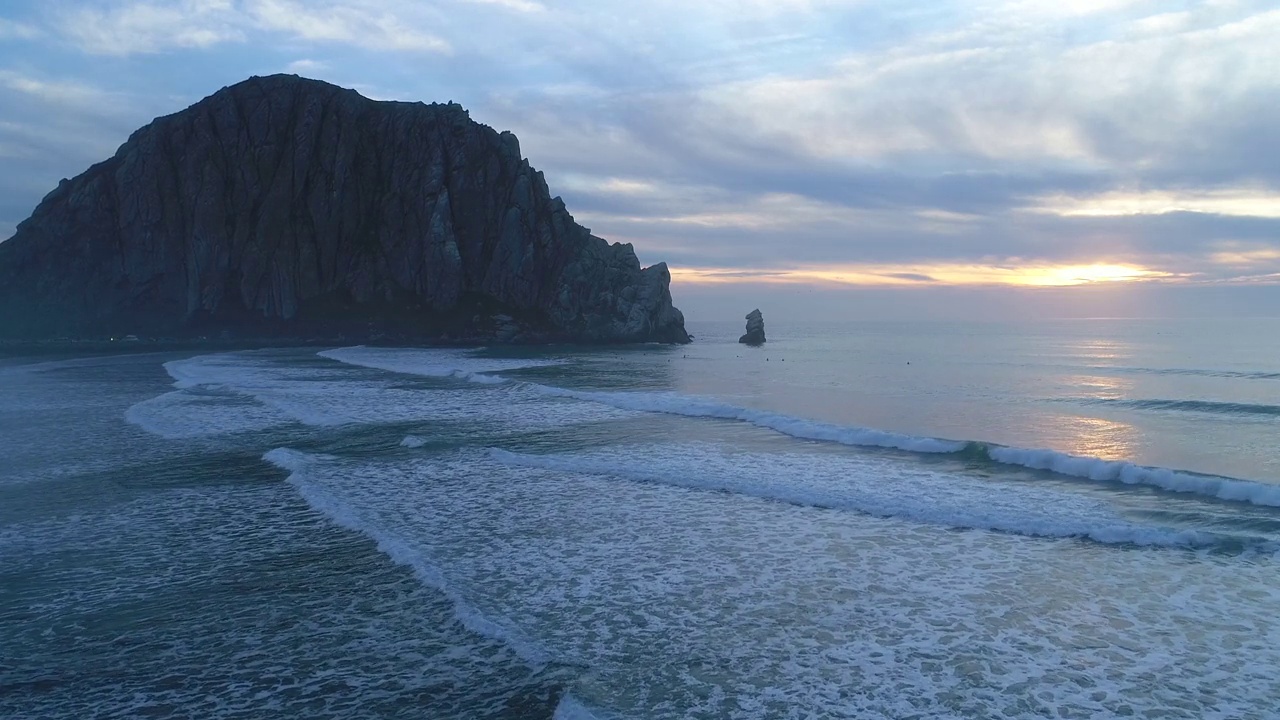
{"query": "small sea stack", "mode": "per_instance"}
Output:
(755, 329)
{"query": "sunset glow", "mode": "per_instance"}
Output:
(930, 275)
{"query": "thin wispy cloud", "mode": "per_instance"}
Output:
(306, 66)
(142, 27)
(10, 29)
(375, 26)
(1239, 202)
(130, 28)
(68, 94)
(524, 6)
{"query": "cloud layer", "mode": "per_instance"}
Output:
(798, 141)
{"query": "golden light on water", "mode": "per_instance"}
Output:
(1030, 275)
(1098, 438)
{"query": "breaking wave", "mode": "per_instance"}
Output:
(300, 465)
(1087, 468)
(675, 404)
(432, 363)
(874, 490)
(1197, 372)
(1198, 406)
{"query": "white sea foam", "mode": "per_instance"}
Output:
(676, 404)
(485, 379)
(73, 363)
(182, 414)
(883, 489)
(570, 708)
(1061, 463)
(290, 391)
(238, 392)
(1131, 474)
(686, 603)
(412, 441)
(681, 602)
(296, 638)
(440, 363)
(300, 464)
(292, 460)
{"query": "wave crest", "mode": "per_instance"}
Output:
(1200, 406)
(432, 363)
(675, 404)
(1086, 468)
(874, 489)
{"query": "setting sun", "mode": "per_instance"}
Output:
(1083, 274)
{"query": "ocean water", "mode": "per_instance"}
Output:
(1068, 520)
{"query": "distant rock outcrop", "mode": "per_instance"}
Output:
(286, 206)
(755, 329)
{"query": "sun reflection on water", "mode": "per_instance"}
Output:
(1104, 351)
(1099, 387)
(1096, 437)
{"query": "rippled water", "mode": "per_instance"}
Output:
(1028, 526)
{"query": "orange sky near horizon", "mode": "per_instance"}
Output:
(957, 274)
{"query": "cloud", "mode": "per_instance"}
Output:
(524, 6)
(1247, 255)
(1246, 262)
(711, 227)
(1054, 9)
(929, 147)
(909, 143)
(305, 66)
(54, 127)
(1240, 202)
(59, 92)
(996, 97)
(12, 29)
(773, 211)
(996, 103)
(1162, 24)
(135, 27)
(355, 23)
(142, 27)
(1017, 272)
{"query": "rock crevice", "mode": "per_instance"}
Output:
(291, 206)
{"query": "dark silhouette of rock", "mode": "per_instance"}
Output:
(283, 206)
(755, 329)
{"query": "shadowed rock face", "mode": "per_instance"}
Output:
(755, 329)
(288, 206)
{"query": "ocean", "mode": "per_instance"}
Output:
(1075, 519)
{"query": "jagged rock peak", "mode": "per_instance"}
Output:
(288, 206)
(755, 329)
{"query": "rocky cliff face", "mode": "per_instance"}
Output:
(755, 329)
(282, 205)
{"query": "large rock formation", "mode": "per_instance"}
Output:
(755, 329)
(286, 206)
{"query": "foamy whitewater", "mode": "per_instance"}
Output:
(862, 521)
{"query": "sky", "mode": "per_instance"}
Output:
(818, 159)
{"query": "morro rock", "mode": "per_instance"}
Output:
(755, 329)
(283, 206)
